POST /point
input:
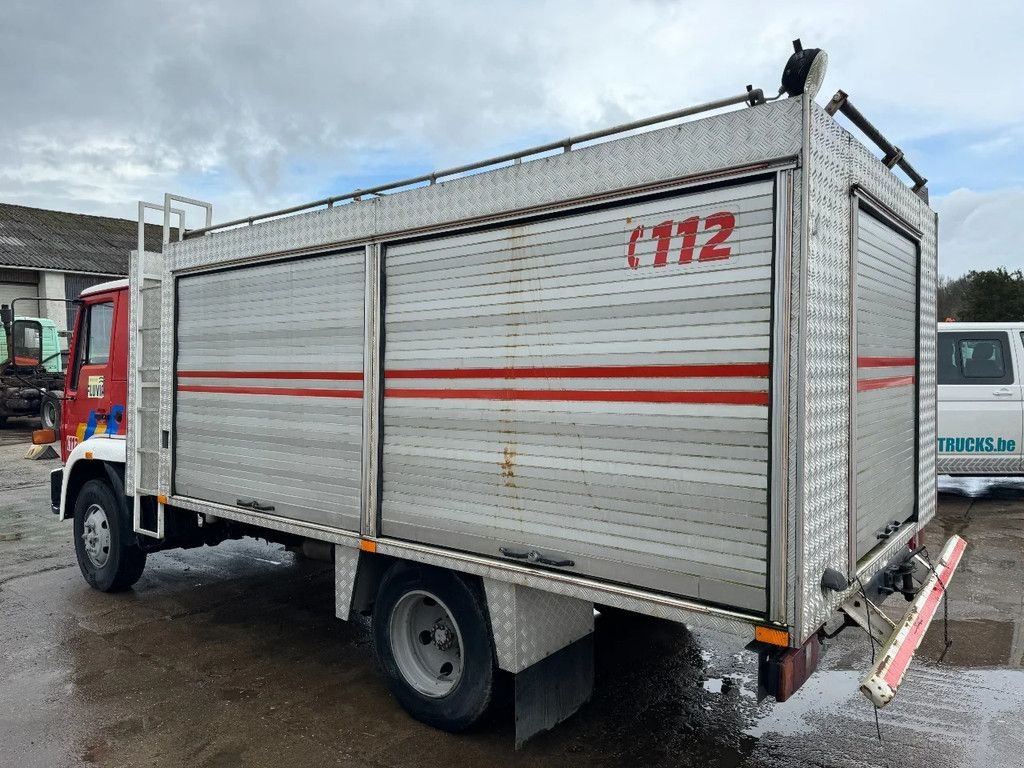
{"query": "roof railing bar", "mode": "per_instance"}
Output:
(514, 157)
(893, 155)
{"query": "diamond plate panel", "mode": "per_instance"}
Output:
(167, 305)
(346, 565)
(142, 431)
(530, 624)
(995, 465)
(132, 430)
(826, 355)
(835, 163)
(707, 146)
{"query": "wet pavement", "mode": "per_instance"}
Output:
(231, 656)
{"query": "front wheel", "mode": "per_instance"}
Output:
(433, 641)
(108, 555)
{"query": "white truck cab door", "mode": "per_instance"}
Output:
(981, 413)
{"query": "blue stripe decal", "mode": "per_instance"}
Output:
(114, 422)
(90, 426)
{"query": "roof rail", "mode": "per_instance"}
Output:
(752, 97)
(893, 154)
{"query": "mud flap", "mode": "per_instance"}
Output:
(880, 684)
(554, 688)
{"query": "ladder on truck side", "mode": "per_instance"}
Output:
(147, 275)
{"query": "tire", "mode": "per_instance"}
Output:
(452, 702)
(113, 560)
(49, 412)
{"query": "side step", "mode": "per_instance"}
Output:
(880, 684)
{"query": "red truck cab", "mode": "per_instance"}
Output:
(96, 383)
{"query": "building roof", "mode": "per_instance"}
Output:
(34, 238)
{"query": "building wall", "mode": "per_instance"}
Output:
(51, 286)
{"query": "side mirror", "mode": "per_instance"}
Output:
(44, 436)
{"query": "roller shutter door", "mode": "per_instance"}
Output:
(590, 389)
(885, 418)
(269, 388)
(16, 284)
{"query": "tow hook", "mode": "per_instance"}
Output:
(900, 578)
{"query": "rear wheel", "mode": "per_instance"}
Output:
(108, 555)
(433, 640)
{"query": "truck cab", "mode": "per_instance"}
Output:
(31, 365)
(980, 405)
(95, 388)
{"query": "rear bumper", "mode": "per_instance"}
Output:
(880, 684)
(56, 483)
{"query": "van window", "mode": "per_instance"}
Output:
(970, 357)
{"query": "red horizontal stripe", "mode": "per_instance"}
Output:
(576, 395)
(885, 362)
(285, 375)
(726, 370)
(902, 657)
(282, 391)
(864, 385)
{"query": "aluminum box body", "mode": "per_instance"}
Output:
(626, 373)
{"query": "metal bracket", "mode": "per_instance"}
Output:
(869, 617)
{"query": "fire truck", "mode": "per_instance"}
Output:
(682, 367)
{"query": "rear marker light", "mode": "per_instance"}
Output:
(772, 636)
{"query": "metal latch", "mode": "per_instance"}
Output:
(533, 556)
(255, 504)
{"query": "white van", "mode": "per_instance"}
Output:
(981, 412)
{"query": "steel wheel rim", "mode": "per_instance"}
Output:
(49, 415)
(426, 643)
(96, 535)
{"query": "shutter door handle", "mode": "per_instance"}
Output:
(254, 504)
(1004, 392)
(534, 556)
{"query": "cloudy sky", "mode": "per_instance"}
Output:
(256, 105)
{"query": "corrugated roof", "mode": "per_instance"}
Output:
(34, 238)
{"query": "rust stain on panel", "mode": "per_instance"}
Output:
(508, 466)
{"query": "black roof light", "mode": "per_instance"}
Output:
(804, 71)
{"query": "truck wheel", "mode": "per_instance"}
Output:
(433, 640)
(49, 412)
(108, 555)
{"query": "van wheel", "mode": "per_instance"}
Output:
(49, 412)
(108, 555)
(432, 637)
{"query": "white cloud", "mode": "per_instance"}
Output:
(259, 104)
(979, 230)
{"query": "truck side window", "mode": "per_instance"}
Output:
(973, 358)
(101, 323)
(93, 345)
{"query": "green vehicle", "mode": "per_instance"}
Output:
(31, 368)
